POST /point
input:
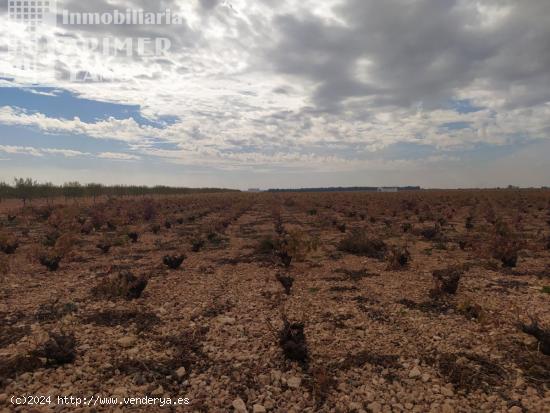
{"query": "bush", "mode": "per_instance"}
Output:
(197, 244)
(8, 244)
(541, 334)
(469, 222)
(506, 250)
(431, 233)
(293, 341)
(173, 261)
(104, 245)
(359, 243)
(266, 246)
(398, 258)
(286, 282)
(59, 349)
(122, 285)
(446, 281)
(50, 260)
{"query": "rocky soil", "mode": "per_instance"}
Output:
(377, 337)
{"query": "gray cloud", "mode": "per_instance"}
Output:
(420, 50)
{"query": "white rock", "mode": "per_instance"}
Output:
(294, 382)
(447, 408)
(238, 405)
(181, 372)
(159, 391)
(375, 407)
(258, 408)
(445, 391)
(355, 406)
(226, 320)
(120, 391)
(415, 372)
(127, 341)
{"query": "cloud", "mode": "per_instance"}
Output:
(118, 156)
(308, 84)
(66, 153)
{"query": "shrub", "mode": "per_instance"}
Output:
(541, 334)
(4, 265)
(197, 244)
(173, 261)
(286, 282)
(398, 258)
(50, 238)
(149, 211)
(359, 243)
(446, 281)
(341, 227)
(50, 260)
(86, 228)
(8, 243)
(122, 285)
(506, 250)
(431, 233)
(133, 236)
(469, 222)
(266, 246)
(64, 244)
(471, 310)
(59, 349)
(104, 245)
(293, 341)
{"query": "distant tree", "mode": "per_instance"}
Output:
(5, 191)
(25, 189)
(94, 190)
(46, 190)
(73, 190)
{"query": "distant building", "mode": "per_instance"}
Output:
(254, 190)
(380, 189)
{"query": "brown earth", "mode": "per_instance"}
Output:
(369, 328)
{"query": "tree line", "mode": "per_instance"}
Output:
(27, 189)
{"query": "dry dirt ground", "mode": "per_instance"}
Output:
(381, 332)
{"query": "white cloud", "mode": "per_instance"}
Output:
(299, 84)
(118, 156)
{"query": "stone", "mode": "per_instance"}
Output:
(180, 373)
(127, 341)
(258, 408)
(375, 407)
(226, 320)
(120, 391)
(515, 409)
(414, 373)
(239, 406)
(447, 408)
(294, 382)
(355, 406)
(159, 391)
(446, 391)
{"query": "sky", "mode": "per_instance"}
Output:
(279, 93)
